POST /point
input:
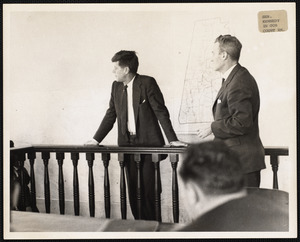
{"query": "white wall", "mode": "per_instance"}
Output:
(58, 73)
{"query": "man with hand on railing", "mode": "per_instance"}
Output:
(138, 106)
(216, 198)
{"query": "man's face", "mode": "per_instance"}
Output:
(217, 60)
(119, 72)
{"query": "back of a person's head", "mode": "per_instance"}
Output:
(231, 45)
(128, 59)
(213, 167)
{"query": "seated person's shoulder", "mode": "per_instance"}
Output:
(258, 211)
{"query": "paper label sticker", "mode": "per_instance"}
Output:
(272, 21)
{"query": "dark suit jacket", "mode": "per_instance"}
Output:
(235, 112)
(262, 210)
(149, 108)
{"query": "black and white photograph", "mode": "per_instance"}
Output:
(149, 120)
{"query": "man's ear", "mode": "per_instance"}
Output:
(193, 193)
(224, 55)
(126, 70)
(194, 199)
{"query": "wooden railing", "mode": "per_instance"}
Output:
(20, 154)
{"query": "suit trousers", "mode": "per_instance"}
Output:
(147, 172)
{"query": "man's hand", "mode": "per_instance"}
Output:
(178, 143)
(91, 142)
(204, 133)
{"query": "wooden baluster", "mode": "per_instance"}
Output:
(21, 160)
(90, 158)
(137, 159)
(156, 160)
(31, 156)
(60, 156)
(274, 164)
(46, 157)
(75, 158)
(122, 187)
(174, 161)
(106, 159)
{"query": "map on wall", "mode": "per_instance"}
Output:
(201, 82)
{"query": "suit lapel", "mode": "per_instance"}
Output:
(136, 95)
(119, 91)
(231, 75)
(225, 84)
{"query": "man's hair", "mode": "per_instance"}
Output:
(213, 167)
(231, 45)
(128, 59)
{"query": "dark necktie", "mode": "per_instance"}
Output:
(223, 80)
(124, 114)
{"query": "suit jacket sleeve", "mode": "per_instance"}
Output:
(239, 117)
(108, 120)
(157, 103)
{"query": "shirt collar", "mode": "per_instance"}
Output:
(129, 84)
(227, 73)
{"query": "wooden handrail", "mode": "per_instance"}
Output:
(109, 149)
(277, 151)
(269, 150)
(60, 150)
(274, 153)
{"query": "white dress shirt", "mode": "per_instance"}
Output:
(131, 121)
(227, 73)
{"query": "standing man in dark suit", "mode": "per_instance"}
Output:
(138, 106)
(236, 108)
(216, 198)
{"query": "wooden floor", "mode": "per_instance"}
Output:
(41, 222)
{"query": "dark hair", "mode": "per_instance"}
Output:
(127, 58)
(213, 167)
(231, 45)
